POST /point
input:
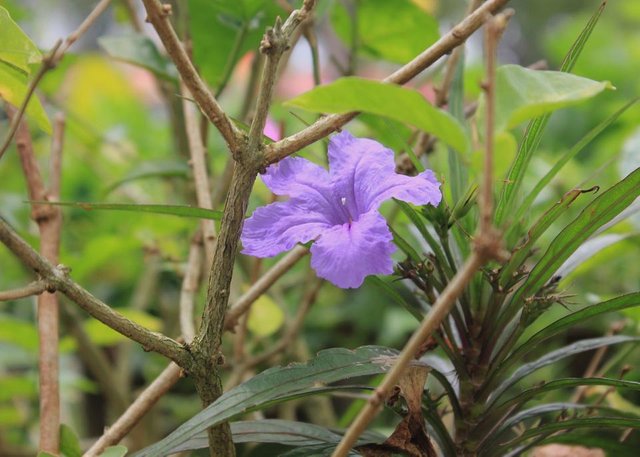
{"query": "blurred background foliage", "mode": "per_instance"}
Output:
(121, 145)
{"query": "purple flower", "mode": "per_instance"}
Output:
(337, 209)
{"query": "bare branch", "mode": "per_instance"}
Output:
(324, 126)
(158, 15)
(34, 288)
(58, 276)
(190, 285)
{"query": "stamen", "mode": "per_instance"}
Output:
(343, 200)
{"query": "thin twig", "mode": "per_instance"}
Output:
(324, 126)
(158, 15)
(31, 289)
(150, 341)
(243, 303)
(190, 284)
(49, 62)
(198, 153)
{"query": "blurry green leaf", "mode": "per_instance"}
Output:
(405, 246)
(147, 170)
(10, 416)
(536, 127)
(69, 443)
(412, 306)
(597, 213)
(522, 93)
(457, 161)
(16, 48)
(222, 32)
(139, 50)
(399, 103)
(172, 210)
(14, 387)
(18, 332)
(114, 451)
(45, 454)
(504, 151)
(410, 32)
(102, 335)
(589, 249)
(13, 89)
(277, 385)
(265, 317)
(558, 354)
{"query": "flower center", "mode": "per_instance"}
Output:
(343, 201)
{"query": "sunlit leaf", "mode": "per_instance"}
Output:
(139, 50)
(277, 385)
(265, 317)
(16, 48)
(102, 335)
(13, 89)
(410, 32)
(69, 443)
(399, 103)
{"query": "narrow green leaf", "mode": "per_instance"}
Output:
(69, 443)
(405, 246)
(554, 356)
(138, 49)
(172, 210)
(566, 157)
(535, 129)
(414, 308)
(457, 167)
(13, 89)
(277, 385)
(600, 211)
(610, 444)
(399, 103)
(521, 252)
(411, 31)
(590, 248)
(114, 451)
(149, 170)
(569, 321)
(16, 48)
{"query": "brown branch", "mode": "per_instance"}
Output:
(58, 276)
(328, 124)
(190, 284)
(243, 303)
(34, 288)
(49, 62)
(198, 155)
(158, 15)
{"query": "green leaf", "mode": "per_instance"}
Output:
(588, 250)
(597, 213)
(410, 32)
(558, 354)
(13, 387)
(567, 322)
(608, 443)
(102, 335)
(402, 104)
(69, 443)
(16, 48)
(45, 454)
(521, 252)
(405, 246)
(277, 385)
(114, 451)
(149, 170)
(535, 129)
(172, 210)
(522, 93)
(566, 157)
(18, 332)
(13, 89)
(139, 50)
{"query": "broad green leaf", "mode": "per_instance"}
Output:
(277, 385)
(399, 103)
(535, 129)
(558, 354)
(410, 32)
(16, 48)
(600, 211)
(148, 170)
(13, 89)
(114, 451)
(522, 93)
(139, 50)
(265, 317)
(570, 321)
(69, 444)
(222, 32)
(521, 252)
(566, 157)
(172, 210)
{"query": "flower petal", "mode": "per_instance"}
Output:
(279, 226)
(297, 177)
(363, 173)
(346, 253)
